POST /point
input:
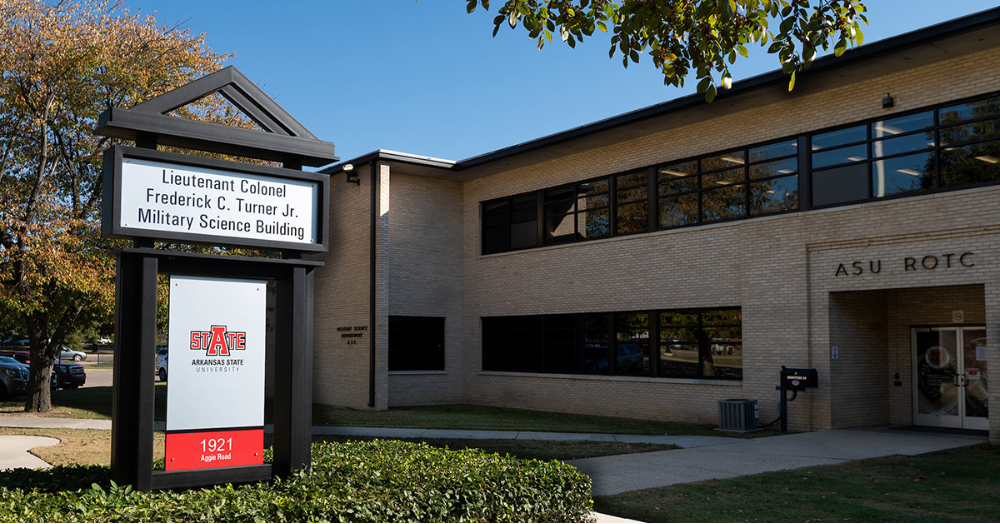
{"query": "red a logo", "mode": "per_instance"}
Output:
(218, 342)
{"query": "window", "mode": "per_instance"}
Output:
(743, 182)
(704, 344)
(510, 224)
(416, 343)
(951, 146)
(631, 203)
(701, 344)
(577, 212)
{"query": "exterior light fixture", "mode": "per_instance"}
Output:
(352, 175)
(887, 102)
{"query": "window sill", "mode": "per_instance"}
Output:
(607, 378)
(425, 372)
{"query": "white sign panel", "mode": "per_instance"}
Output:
(215, 371)
(179, 199)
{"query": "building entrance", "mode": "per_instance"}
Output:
(951, 388)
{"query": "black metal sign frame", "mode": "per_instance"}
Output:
(281, 138)
(134, 378)
(111, 205)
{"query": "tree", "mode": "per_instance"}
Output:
(703, 37)
(62, 64)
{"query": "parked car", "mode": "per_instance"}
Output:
(24, 357)
(161, 364)
(13, 377)
(68, 353)
(104, 341)
(70, 375)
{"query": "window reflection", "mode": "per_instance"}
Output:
(632, 344)
(839, 137)
(692, 344)
(903, 124)
(578, 212)
(720, 204)
(971, 164)
(903, 174)
(708, 344)
(969, 110)
(774, 195)
(678, 211)
(631, 203)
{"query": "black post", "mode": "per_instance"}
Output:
(135, 338)
(293, 372)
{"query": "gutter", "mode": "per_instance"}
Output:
(372, 320)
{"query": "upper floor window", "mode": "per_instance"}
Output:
(953, 145)
(947, 147)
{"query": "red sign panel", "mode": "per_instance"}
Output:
(214, 449)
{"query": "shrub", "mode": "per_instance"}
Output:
(380, 480)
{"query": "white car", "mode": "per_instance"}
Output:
(104, 341)
(161, 364)
(67, 353)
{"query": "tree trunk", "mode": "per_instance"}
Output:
(39, 393)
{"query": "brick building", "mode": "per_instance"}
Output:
(651, 264)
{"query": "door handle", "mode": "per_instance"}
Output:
(959, 379)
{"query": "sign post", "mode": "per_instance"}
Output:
(217, 313)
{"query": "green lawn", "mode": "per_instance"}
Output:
(460, 416)
(954, 486)
(95, 403)
(87, 402)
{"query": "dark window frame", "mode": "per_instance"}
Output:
(498, 346)
(803, 176)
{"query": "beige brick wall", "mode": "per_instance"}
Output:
(777, 268)
(858, 375)
(340, 369)
(425, 234)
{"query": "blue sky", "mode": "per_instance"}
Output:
(426, 78)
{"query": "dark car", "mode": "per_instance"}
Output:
(67, 373)
(23, 357)
(71, 375)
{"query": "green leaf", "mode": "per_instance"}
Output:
(710, 93)
(791, 82)
(471, 6)
(840, 47)
(704, 83)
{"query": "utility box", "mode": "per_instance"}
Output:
(798, 379)
(737, 414)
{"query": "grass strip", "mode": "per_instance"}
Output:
(952, 486)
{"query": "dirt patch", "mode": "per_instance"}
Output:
(78, 446)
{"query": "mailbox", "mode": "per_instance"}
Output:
(798, 379)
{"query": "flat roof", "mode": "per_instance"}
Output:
(966, 34)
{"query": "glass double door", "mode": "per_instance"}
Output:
(950, 386)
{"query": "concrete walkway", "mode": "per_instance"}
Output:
(14, 451)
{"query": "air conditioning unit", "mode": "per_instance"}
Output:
(736, 414)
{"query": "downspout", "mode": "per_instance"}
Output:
(372, 321)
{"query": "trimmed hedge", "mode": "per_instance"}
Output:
(374, 481)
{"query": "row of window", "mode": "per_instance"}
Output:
(703, 344)
(954, 145)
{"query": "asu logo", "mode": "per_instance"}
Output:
(218, 342)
